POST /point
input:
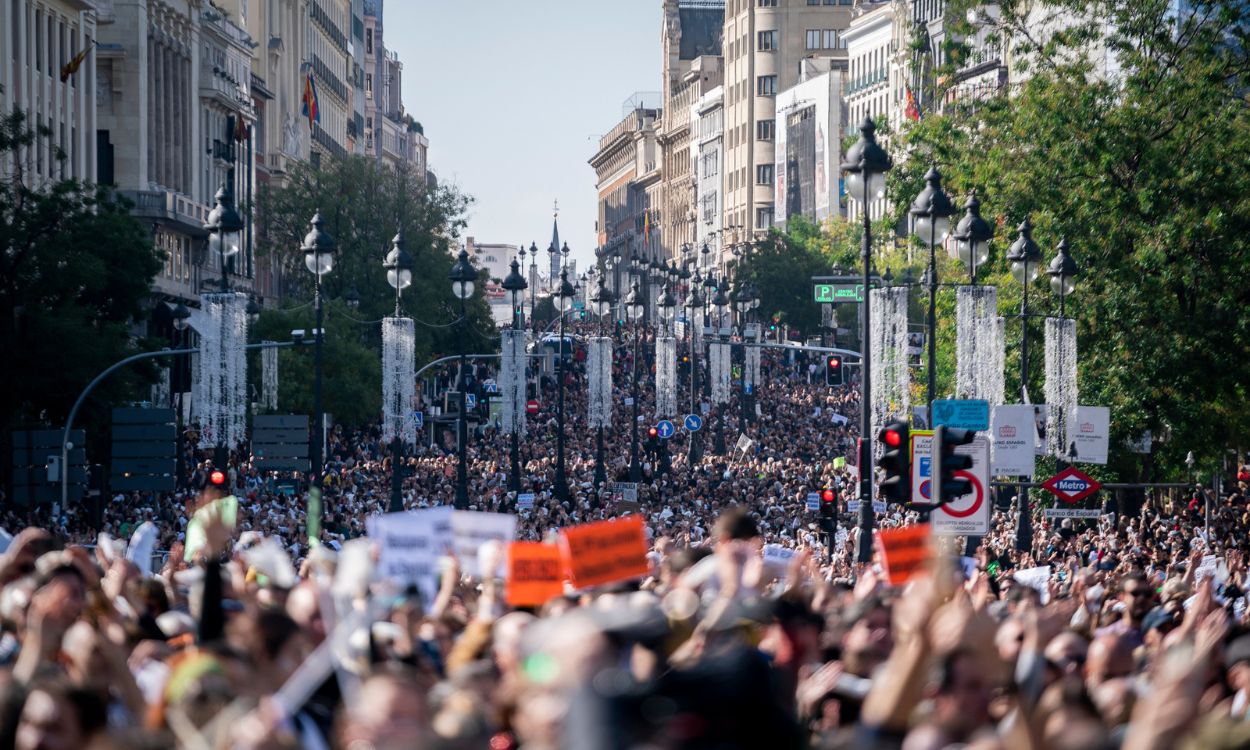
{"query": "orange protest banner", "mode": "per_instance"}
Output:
(535, 574)
(606, 551)
(905, 552)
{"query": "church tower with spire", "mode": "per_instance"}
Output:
(553, 281)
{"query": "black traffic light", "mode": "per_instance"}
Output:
(945, 462)
(895, 460)
(834, 370)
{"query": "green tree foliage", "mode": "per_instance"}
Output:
(351, 383)
(782, 265)
(75, 269)
(1142, 168)
(363, 204)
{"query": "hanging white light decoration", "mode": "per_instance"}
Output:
(599, 368)
(398, 380)
(269, 377)
(666, 376)
(161, 394)
(751, 371)
(891, 374)
(221, 394)
(979, 344)
(512, 382)
(720, 366)
(1061, 388)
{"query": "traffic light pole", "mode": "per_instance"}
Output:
(865, 396)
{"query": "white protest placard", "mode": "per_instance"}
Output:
(525, 501)
(1092, 434)
(471, 529)
(1211, 567)
(838, 418)
(1037, 579)
(878, 506)
(813, 501)
(1040, 414)
(1012, 452)
(409, 545)
(969, 514)
(743, 443)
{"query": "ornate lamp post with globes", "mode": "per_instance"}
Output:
(462, 281)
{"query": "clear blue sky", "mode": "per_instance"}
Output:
(514, 96)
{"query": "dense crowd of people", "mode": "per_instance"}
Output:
(1136, 637)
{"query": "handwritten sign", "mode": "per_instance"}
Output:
(906, 552)
(604, 552)
(535, 574)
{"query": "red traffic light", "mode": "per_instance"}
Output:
(835, 362)
(892, 438)
(827, 496)
(653, 432)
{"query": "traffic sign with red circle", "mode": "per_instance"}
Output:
(1071, 485)
(531, 406)
(954, 508)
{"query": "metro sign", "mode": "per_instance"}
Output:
(1071, 485)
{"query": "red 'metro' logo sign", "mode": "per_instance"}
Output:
(1071, 485)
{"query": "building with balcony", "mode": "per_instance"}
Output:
(390, 133)
(691, 44)
(174, 116)
(875, 85)
(768, 46)
(627, 173)
(707, 156)
(37, 39)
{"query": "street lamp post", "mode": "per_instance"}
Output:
(972, 237)
(318, 251)
(1063, 272)
(564, 299)
(664, 307)
(601, 299)
(533, 282)
(181, 316)
(515, 285)
(931, 212)
(225, 227)
(462, 279)
(398, 265)
(720, 301)
(866, 165)
(1025, 258)
(634, 307)
(694, 302)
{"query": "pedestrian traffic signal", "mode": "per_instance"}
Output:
(945, 462)
(833, 370)
(829, 512)
(895, 460)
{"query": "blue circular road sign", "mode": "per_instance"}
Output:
(665, 429)
(694, 422)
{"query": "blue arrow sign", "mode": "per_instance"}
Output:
(665, 429)
(694, 422)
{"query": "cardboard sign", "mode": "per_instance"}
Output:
(1037, 579)
(1013, 433)
(604, 552)
(409, 545)
(905, 552)
(471, 529)
(535, 574)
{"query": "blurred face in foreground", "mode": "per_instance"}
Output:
(48, 723)
(390, 715)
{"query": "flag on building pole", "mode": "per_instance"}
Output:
(311, 110)
(913, 107)
(646, 227)
(71, 67)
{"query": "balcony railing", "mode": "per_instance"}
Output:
(168, 205)
(330, 80)
(327, 24)
(870, 79)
